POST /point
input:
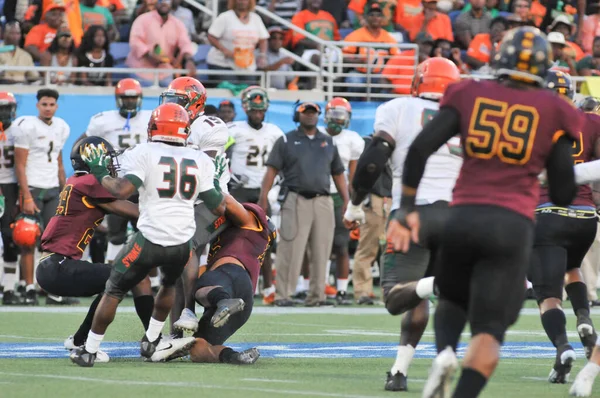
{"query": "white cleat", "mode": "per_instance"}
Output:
(101, 356)
(441, 374)
(168, 349)
(582, 386)
(187, 321)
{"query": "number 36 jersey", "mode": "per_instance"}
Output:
(507, 136)
(115, 129)
(168, 178)
(403, 119)
(7, 161)
(251, 150)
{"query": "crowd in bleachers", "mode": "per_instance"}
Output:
(171, 34)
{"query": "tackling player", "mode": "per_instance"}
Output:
(563, 236)
(511, 128)
(168, 177)
(254, 140)
(397, 124)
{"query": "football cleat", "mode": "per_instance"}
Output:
(101, 356)
(396, 382)
(10, 298)
(31, 298)
(168, 349)
(82, 358)
(246, 357)
(341, 298)
(147, 347)
(582, 386)
(565, 356)
(226, 308)
(187, 321)
(587, 334)
(59, 300)
(441, 374)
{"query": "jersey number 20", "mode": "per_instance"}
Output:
(178, 178)
(510, 139)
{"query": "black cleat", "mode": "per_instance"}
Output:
(365, 300)
(10, 298)
(565, 356)
(284, 303)
(246, 357)
(81, 357)
(225, 309)
(396, 382)
(59, 300)
(587, 334)
(31, 298)
(341, 298)
(147, 347)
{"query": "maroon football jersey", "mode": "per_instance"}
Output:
(248, 245)
(72, 227)
(507, 135)
(583, 151)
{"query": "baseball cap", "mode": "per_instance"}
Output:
(374, 7)
(309, 105)
(556, 38)
(55, 6)
(275, 29)
(226, 103)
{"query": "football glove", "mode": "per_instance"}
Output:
(97, 160)
(354, 213)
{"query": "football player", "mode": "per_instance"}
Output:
(511, 129)
(254, 139)
(210, 135)
(563, 236)
(169, 177)
(123, 128)
(82, 206)
(397, 124)
(9, 194)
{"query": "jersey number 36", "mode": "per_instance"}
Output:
(178, 178)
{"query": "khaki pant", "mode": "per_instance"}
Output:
(306, 225)
(368, 245)
(590, 268)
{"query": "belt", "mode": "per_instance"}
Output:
(571, 213)
(309, 195)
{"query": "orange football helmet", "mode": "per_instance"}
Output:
(26, 230)
(169, 123)
(433, 76)
(128, 94)
(8, 110)
(187, 92)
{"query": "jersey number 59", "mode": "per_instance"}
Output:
(178, 178)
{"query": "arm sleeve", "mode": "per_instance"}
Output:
(561, 174)
(206, 173)
(298, 20)
(262, 29)
(444, 126)
(217, 28)
(23, 140)
(211, 135)
(133, 164)
(386, 120)
(277, 155)
(33, 37)
(137, 38)
(337, 167)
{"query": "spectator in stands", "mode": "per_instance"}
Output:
(234, 36)
(13, 55)
(569, 8)
(591, 29)
(590, 65)
(61, 53)
(388, 7)
(563, 60)
(339, 10)
(471, 23)
(522, 8)
(285, 9)
(146, 6)
(93, 14)
(484, 45)
(319, 23)
(94, 53)
(400, 70)
(372, 32)
(277, 61)
(40, 36)
(562, 24)
(226, 111)
(491, 6)
(449, 50)
(116, 8)
(432, 22)
(407, 13)
(159, 40)
(72, 16)
(186, 16)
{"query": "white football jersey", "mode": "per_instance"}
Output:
(7, 152)
(44, 143)
(349, 145)
(114, 128)
(172, 178)
(403, 119)
(251, 150)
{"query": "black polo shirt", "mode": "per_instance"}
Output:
(307, 163)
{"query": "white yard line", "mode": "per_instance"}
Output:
(11, 336)
(279, 392)
(271, 380)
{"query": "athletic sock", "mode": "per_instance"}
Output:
(144, 305)
(470, 384)
(92, 344)
(83, 331)
(154, 329)
(226, 355)
(449, 322)
(342, 285)
(577, 292)
(554, 322)
(10, 276)
(424, 287)
(217, 294)
(403, 359)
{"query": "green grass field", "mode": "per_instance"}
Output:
(323, 352)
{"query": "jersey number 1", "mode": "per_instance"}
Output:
(178, 178)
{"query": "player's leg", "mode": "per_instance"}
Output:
(204, 352)
(27, 286)
(341, 239)
(582, 386)
(11, 251)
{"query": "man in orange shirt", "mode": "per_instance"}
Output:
(72, 16)
(389, 9)
(432, 22)
(40, 36)
(484, 44)
(400, 70)
(317, 22)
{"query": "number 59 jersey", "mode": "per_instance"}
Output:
(251, 150)
(117, 130)
(168, 178)
(403, 119)
(7, 161)
(507, 136)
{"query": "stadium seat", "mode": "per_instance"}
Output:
(504, 14)
(201, 54)
(345, 32)
(453, 15)
(119, 51)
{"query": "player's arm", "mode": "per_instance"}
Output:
(588, 172)
(123, 208)
(561, 174)
(122, 188)
(238, 215)
(62, 179)
(22, 145)
(371, 164)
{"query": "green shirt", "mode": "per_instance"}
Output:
(95, 16)
(493, 12)
(587, 62)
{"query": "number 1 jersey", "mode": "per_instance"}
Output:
(169, 178)
(507, 136)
